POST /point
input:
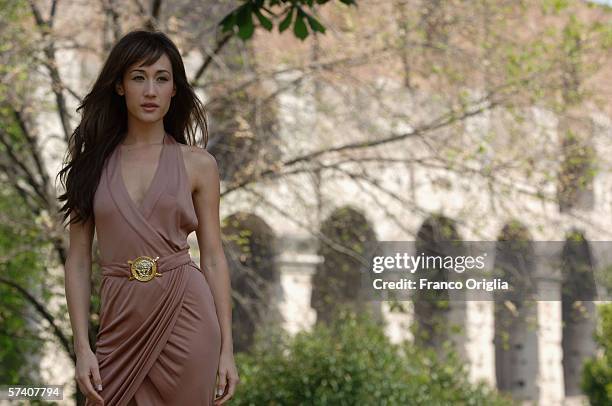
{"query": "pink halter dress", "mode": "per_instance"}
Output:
(159, 340)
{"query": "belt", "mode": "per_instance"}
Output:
(144, 268)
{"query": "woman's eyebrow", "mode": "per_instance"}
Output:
(142, 70)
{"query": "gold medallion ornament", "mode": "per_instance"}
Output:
(144, 268)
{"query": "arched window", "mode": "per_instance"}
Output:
(250, 248)
(337, 280)
(432, 308)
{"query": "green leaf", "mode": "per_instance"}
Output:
(245, 21)
(315, 25)
(263, 20)
(299, 27)
(286, 21)
(228, 22)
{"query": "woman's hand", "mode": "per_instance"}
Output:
(86, 366)
(227, 377)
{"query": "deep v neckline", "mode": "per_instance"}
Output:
(147, 195)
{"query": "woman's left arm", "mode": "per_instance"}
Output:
(213, 263)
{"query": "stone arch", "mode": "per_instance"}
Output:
(515, 313)
(578, 311)
(336, 283)
(433, 314)
(251, 250)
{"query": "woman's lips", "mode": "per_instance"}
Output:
(149, 108)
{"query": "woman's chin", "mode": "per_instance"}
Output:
(148, 118)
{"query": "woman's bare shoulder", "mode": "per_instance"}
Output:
(200, 165)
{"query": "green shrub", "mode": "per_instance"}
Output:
(597, 372)
(351, 362)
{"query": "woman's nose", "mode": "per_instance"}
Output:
(150, 87)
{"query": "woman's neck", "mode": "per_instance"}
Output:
(144, 135)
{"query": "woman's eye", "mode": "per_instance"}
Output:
(140, 77)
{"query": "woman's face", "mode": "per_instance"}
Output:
(144, 85)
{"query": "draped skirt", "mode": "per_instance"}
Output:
(159, 341)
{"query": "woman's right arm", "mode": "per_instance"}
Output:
(78, 295)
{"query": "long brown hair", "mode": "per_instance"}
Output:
(104, 119)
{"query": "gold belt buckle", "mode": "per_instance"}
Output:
(143, 268)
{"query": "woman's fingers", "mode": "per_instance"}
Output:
(221, 374)
(233, 381)
(88, 390)
(229, 380)
(96, 377)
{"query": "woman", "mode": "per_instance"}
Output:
(165, 323)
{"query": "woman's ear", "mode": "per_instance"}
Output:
(173, 90)
(119, 89)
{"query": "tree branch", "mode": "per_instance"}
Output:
(40, 308)
(51, 65)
